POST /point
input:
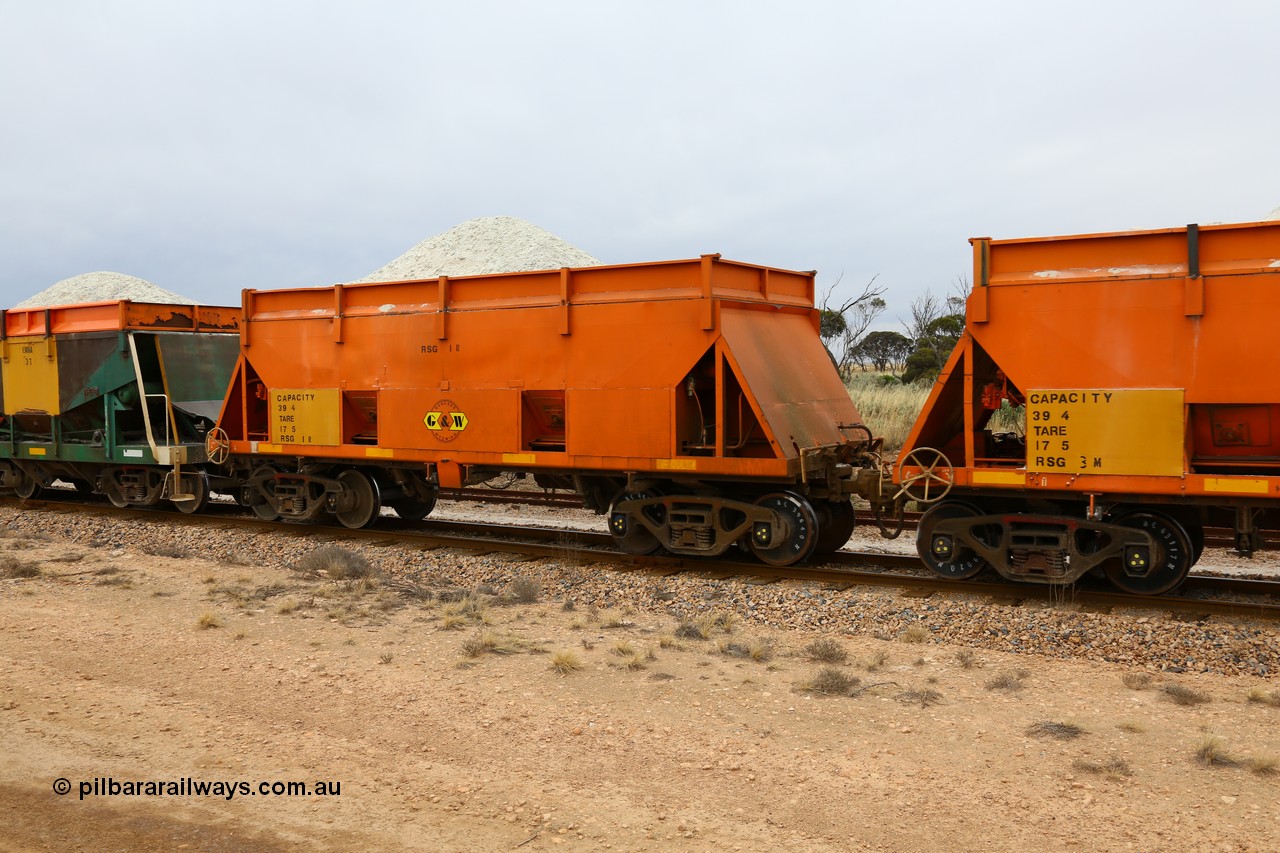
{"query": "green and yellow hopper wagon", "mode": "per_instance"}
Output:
(114, 397)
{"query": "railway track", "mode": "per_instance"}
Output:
(1214, 537)
(1201, 596)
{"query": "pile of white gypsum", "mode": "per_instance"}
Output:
(490, 244)
(102, 287)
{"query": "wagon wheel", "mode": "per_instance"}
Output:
(361, 501)
(217, 445)
(199, 485)
(264, 508)
(1161, 570)
(802, 524)
(630, 536)
(835, 525)
(29, 488)
(413, 508)
(945, 553)
(934, 480)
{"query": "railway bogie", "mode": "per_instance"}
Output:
(1141, 550)
(353, 495)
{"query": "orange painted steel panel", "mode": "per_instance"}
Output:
(612, 346)
(1111, 311)
(600, 416)
(121, 315)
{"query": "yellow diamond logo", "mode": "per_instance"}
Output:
(445, 421)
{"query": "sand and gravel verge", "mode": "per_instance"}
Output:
(226, 664)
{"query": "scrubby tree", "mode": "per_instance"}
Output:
(842, 325)
(883, 350)
(935, 328)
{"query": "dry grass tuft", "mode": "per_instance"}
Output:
(385, 657)
(13, 567)
(470, 610)
(487, 642)
(1014, 679)
(1131, 726)
(668, 641)
(613, 619)
(1263, 765)
(335, 563)
(523, 590)
(1263, 697)
(1112, 768)
(1212, 753)
(208, 620)
(695, 629)
(916, 633)
(758, 650)
(825, 650)
(1137, 680)
(1180, 695)
(288, 605)
(967, 659)
(622, 648)
(364, 586)
(876, 661)
(890, 409)
(409, 588)
(1058, 731)
(564, 662)
(830, 681)
(725, 620)
(634, 661)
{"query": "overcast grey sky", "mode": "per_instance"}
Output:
(208, 147)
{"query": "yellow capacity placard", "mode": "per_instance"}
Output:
(1105, 431)
(30, 374)
(306, 416)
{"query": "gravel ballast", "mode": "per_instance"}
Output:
(1138, 639)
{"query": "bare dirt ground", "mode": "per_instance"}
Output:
(450, 734)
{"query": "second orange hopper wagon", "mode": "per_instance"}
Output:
(642, 382)
(1147, 364)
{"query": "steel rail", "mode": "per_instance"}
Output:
(479, 538)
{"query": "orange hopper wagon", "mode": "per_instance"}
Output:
(1147, 365)
(691, 400)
